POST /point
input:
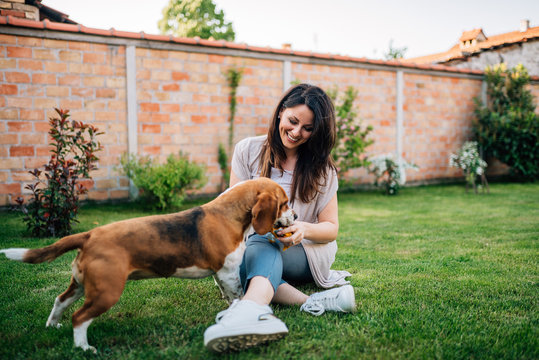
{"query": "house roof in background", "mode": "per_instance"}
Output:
(461, 50)
(46, 12)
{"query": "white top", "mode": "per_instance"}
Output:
(245, 165)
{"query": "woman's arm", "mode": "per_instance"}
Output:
(233, 179)
(324, 231)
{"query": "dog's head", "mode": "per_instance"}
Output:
(271, 209)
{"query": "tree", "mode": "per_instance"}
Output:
(506, 126)
(395, 53)
(190, 18)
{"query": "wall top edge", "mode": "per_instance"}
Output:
(45, 27)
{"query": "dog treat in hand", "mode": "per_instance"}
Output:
(274, 233)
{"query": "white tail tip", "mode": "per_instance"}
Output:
(14, 253)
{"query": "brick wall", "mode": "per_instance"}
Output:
(182, 102)
(19, 9)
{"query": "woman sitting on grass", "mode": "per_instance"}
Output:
(296, 153)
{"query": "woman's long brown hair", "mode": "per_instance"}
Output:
(314, 156)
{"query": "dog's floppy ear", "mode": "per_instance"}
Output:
(264, 213)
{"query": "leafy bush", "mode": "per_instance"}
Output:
(352, 141)
(390, 174)
(469, 161)
(163, 184)
(507, 127)
(55, 202)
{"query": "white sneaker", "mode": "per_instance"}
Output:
(337, 299)
(244, 324)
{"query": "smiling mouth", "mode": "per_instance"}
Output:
(292, 138)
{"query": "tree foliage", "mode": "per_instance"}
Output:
(395, 53)
(507, 126)
(190, 18)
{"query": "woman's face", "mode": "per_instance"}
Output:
(296, 126)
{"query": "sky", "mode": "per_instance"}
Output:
(358, 28)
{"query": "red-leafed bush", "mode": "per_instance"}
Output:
(55, 196)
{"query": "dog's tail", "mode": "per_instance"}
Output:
(48, 253)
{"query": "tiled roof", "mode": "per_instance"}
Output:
(78, 28)
(470, 35)
(461, 52)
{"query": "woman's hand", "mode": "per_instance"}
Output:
(298, 233)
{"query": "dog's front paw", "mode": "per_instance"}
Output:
(55, 324)
(89, 347)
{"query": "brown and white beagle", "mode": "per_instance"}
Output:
(205, 240)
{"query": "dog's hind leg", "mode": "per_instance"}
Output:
(63, 301)
(103, 286)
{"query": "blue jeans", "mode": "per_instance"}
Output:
(263, 258)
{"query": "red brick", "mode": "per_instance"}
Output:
(149, 107)
(199, 119)
(42, 126)
(56, 67)
(17, 77)
(87, 183)
(30, 64)
(8, 89)
(32, 114)
(21, 176)
(60, 91)
(44, 54)
(19, 102)
(93, 58)
(9, 139)
(19, 126)
(13, 188)
(9, 114)
(98, 195)
(151, 129)
(82, 92)
(43, 150)
(34, 42)
(171, 87)
(160, 118)
(70, 56)
(151, 150)
(190, 108)
(105, 93)
(14, 13)
(44, 79)
(72, 80)
(178, 76)
(170, 108)
(21, 151)
(8, 39)
(216, 59)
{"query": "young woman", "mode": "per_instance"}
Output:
(296, 153)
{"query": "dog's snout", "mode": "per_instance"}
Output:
(295, 215)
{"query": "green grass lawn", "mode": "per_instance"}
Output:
(438, 273)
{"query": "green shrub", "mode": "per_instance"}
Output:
(507, 127)
(54, 204)
(389, 174)
(163, 184)
(222, 158)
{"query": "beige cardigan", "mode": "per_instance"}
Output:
(320, 256)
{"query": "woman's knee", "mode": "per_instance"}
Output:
(261, 258)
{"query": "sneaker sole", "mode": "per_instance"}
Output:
(241, 342)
